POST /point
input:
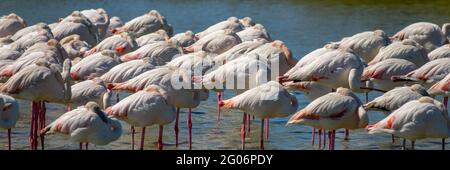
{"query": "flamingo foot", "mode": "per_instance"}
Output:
(244, 121)
(319, 137)
(261, 137)
(248, 122)
(313, 136)
(219, 99)
(132, 137)
(190, 129)
(267, 130)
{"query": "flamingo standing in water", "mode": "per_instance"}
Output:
(9, 114)
(340, 109)
(90, 90)
(40, 83)
(417, 119)
(231, 23)
(94, 65)
(269, 100)
(406, 49)
(159, 53)
(216, 42)
(145, 108)
(429, 35)
(86, 124)
(122, 43)
(178, 97)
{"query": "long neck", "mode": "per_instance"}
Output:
(363, 117)
(115, 130)
(354, 78)
(67, 85)
(107, 99)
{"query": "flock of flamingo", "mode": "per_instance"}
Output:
(84, 60)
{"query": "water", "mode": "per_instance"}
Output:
(302, 25)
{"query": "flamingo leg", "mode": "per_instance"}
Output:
(313, 137)
(445, 102)
(267, 129)
(142, 138)
(248, 120)
(413, 143)
(319, 137)
(43, 110)
(219, 98)
(346, 133)
(253, 117)
(87, 145)
(34, 125)
(244, 121)
(367, 97)
(190, 129)
(132, 137)
(9, 139)
(333, 137)
(324, 138)
(176, 127)
(117, 97)
(443, 143)
(261, 137)
(81, 146)
(330, 142)
(160, 144)
(393, 139)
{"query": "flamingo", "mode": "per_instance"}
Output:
(144, 24)
(428, 74)
(441, 88)
(39, 83)
(90, 90)
(127, 70)
(159, 53)
(94, 65)
(254, 32)
(86, 124)
(122, 43)
(417, 119)
(26, 30)
(30, 39)
(178, 97)
(366, 44)
(10, 24)
(380, 73)
(232, 23)
(406, 49)
(239, 50)
(340, 109)
(145, 108)
(185, 38)
(9, 114)
(311, 89)
(216, 42)
(441, 52)
(74, 47)
(114, 23)
(156, 36)
(269, 100)
(99, 18)
(77, 23)
(429, 35)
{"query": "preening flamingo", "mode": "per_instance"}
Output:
(86, 124)
(100, 19)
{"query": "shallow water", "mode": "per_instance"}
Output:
(302, 25)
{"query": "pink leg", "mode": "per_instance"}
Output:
(190, 129)
(34, 125)
(176, 127)
(267, 129)
(244, 121)
(43, 110)
(219, 98)
(160, 144)
(313, 136)
(248, 120)
(132, 137)
(320, 138)
(261, 137)
(9, 139)
(346, 133)
(142, 138)
(330, 142)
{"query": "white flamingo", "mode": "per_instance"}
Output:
(10, 24)
(406, 49)
(428, 74)
(231, 23)
(153, 37)
(216, 42)
(185, 38)
(159, 53)
(94, 65)
(144, 24)
(145, 108)
(122, 43)
(417, 119)
(429, 35)
(441, 52)
(254, 32)
(441, 88)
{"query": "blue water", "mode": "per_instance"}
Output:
(302, 25)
